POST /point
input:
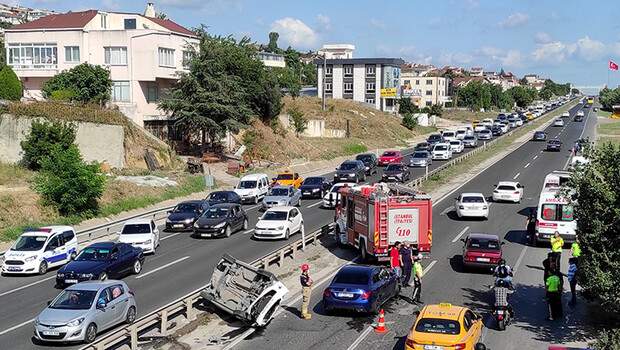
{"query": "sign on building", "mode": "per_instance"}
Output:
(389, 92)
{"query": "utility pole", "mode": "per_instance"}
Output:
(323, 82)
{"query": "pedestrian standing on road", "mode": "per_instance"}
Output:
(306, 289)
(531, 226)
(548, 266)
(395, 259)
(575, 249)
(418, 271)
(554, 295)
(571, 275)
(407, 262)
(556, 248)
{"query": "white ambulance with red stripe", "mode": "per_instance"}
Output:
(554, 212)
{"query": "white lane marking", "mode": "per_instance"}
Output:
(248, 231)
(240, 338)
(315, 204)
(15, 327)
(520, 259)
(447, 210)
(516, 176)
(26, 286)
(253, 207)
(170, 236)
(535, 157)
(162, 267)
(460, 234)
(428, 268)
(526, 165)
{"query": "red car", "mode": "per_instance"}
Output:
(481, 250)
(389, 157)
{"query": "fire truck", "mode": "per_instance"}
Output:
(372, 218)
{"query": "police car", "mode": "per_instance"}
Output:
(37, 250)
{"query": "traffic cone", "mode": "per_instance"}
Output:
(381, 324)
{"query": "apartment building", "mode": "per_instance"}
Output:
(270, 59)
(337, 51)
(16, 14)
(144, 55)
(425, 90)
(362, 80)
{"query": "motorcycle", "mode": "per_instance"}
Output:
(502, 317)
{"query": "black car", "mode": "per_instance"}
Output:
(496, 130)
(423, 146)
(434, 138)
(221, 220)
(554, 145)
(540, 136)
(100, 261)
(314, 187)
(370, 162)
(217, 197)
(182, 217)
(523, 117)
(350, 171)
(396, 172)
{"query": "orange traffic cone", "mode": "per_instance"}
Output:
(381, 324)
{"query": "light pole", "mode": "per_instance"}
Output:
(323, 83)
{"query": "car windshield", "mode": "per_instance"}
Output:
(278, 192)
(469, 138)
(389, 154)
(484, 131)
(455, 142)
(483, 243)
(347, 166)
(440, 148)
(434, 137)
(336, 188)
(540, 133)
(460, 131)
(74, 300)
(420, 155)
(285, 177)
(473, 199)
(352, 277)
(213, 213)
(448, 134)
(219, 197)
(29, 243)
(136, 229)
(247, 184)
(421, 145)
(274, 215)
(394, 167)
(364, 158)
(186, 208)
(313, 181)
(437, 325)
(506, 188)
(94, 254)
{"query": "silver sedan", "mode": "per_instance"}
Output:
(282, 196)
(420, 159)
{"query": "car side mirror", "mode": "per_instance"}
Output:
(49, 302)
(169, 212)
(101, 304)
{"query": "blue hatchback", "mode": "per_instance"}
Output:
(360, 288)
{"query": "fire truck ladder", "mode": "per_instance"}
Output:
(383, 222)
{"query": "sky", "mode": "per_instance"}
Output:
(565, 40)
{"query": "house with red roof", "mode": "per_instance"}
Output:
(144, 55)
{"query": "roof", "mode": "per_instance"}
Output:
(47, 230)
(280, 208)
(253, 176)
(94, 285)
(385, 61)
(472, 194)
(172, 26)
(368, 269)
(223, 205)
(442, 311)
(138, 221)
(102, 245)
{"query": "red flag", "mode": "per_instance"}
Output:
(613, 65)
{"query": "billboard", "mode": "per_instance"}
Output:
(403, 224)
(389, 92)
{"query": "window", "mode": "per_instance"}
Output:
(120, 91)
(187, 58)
(370, 88)
(328, 70)
(72, 54)
(407, 82)
(115, 291)
(32, 56)
(348, 88)
(429, 103)
(429, 92)
(152, 93)
(328, 87)
(429, 81)
(115, 56)
(68, 236)
(348, 70)
(53, 243)
(104, 20)
(166, 57)
(557, 212)
(370, 70)
(417, 82)
(130, 23)
(370, 101)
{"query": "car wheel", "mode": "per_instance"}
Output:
(103, 276)
(255, 199)
(131, 315)
(228, 231)
(137, 267)
(287, 235)
(91, 333)
(245, 224)
(43, 268)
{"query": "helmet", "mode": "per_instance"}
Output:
(502, 262)
(501, 283)
(480, 346)
(305, 267)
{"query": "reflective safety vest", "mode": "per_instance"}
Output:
(557, 244)
(418, 271)
(553, 283)
(575, 249)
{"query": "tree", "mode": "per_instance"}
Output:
(300, 123)
(68, 183)
(609, 98)
(595, 196)
(273, 42)
(10, 86)
(89, 83)
(409, 121)
(405, 106)
(475, 95)
(436, 109)
(522, 96)
(161, 15)
(43, 140)
(607, 340)
(287, 79)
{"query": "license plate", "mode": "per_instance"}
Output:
(505, 196)
(71, 281)
(483, 259)
(306, 193)
(391, 178)
(205, 235)
(345, 295)
(51, 333)
(177, 226)
(500, 312)
(13, 268)
(433, 347)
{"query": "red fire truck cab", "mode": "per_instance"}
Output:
(373, 218)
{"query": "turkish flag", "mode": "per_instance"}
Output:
(613, 65)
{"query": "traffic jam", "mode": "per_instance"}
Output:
(373, 219)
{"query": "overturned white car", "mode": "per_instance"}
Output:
(251, 294)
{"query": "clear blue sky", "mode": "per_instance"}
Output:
(566, 40)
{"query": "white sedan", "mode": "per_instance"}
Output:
(456, 146)
(442, 151)
(278, 223)
(558, 122)
(331, 198)
(472, 205)
(508, 191)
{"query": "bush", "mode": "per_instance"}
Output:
(63, 95)
(44, 138)
(68, 183)
(90, 83)
(10, 86)
(354, 148)
(299, 121)
(607, 340)
(409, 121)
(436, 110)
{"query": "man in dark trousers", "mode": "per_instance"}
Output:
(306, 289)
(553, 286)
(405, 254)
(571, 275)
(418, 272)
(531, 226)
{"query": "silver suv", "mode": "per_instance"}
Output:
(85, 309)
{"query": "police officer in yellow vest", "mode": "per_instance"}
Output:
(575, 249)
(418, 271)
(556, 248)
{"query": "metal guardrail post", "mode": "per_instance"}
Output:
(314, 237)
(281, 261)
(163, 329)
(190, 314)
(134, 337)
(293, 251)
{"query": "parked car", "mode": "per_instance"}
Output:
(485, 135)
(252, 187)
(282, 196)
(100, 261)
(332, 197)
(389, 157)
(420, 159)
(350, 171)
(423, 146)
(472, 205)
(442, 151)
(456, 146)
(141, 233)
(83, 310)
(539, 136)
(36, 250)
(434, 139)
(221, 220)
(370, 162)
(470, 141)
(184, 214)
(396, 172)
(509, 191)
(554, 145)
(558, 122)
(481, 250)
(278, 223)
(360, 288)
(314, 186)
(217, 197)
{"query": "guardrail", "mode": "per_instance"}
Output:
(187, 307)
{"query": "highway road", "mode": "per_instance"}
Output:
(182, 264)
(445, 280)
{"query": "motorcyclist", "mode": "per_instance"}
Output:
(501, 296)
(503, 272)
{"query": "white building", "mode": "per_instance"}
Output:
(337, 51)
(18, 14)
(424, 90)
(361, 79)
(270, 59)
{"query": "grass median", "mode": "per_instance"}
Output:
(443, 177)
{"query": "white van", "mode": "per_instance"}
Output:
(555, 214)
(554, 180)
(35, 251)
(253, 187)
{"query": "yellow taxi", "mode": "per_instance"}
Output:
(474, 123)
(445, 327)
(288, 178)
(529, 115)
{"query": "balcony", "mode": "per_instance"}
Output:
(35, 70)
